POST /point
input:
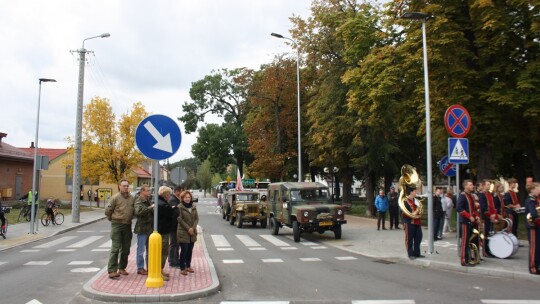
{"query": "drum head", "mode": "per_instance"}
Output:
(503, 245)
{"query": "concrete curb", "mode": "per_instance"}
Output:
(93, 294)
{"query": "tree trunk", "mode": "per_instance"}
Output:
(370, 198)
(535, 162)
(485, 162)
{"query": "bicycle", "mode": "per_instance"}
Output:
(24, 213)
(3, 230)
(58, 217)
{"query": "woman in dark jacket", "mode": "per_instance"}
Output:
(187, 231)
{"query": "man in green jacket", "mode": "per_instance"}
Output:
(120, 212)
(144, 210)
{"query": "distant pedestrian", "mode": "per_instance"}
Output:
(90, 195)
(187, 231)
(393, 208)
(144, 210)
(166, 223)
(438, 215)
(448, 205)
(119, 212)
(381, 203)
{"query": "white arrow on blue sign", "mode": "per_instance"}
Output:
(158, 137)
(458, 150)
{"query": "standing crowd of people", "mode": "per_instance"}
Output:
(177, 225)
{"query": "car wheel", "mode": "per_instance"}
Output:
(231, 219)
(337, 232)
(223, 213)
(263, 223)
(274, 226)
(296, 231)
(239, 221)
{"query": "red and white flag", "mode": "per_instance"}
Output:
(239, 185)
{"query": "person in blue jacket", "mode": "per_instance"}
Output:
(381, 203)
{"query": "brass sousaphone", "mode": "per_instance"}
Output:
(409, 179)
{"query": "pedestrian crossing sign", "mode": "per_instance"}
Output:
(458, 150)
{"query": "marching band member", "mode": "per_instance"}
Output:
(467, 218)
(489, 213)
(511, 202)
(533, 226)
(412, 227)
(498, 197)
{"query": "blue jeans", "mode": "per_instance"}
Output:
(142, 247)
(186, 251)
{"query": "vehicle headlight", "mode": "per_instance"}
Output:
(340, 212)
(306, 213)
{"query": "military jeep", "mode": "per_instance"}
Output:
(304, 207)
(245, 206)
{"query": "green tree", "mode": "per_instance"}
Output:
(223, 93)
(204, 176)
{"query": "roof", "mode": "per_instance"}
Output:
(11, 152)
(51, 153)
(142, 172)
(300, 185)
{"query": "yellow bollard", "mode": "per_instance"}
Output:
(154, 261)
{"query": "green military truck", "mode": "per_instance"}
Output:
(245, 206)
(304, 207)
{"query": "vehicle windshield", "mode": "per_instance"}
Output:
(247, 197)
(309, 195)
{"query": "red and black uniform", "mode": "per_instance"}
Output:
(533, 234)
(465, 208)
(510, 198)
(413, 229)
(498, 199)
(487, 206)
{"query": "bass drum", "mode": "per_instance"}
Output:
(503, 245)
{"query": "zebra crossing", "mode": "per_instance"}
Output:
(67, 244)
(223, 244)
(397, 301)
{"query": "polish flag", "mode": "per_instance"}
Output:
(239, 185)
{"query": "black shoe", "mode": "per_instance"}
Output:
(378, 228)
(420, 256)
(438, 239)
(412, 258)
(384, 228)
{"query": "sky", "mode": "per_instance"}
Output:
(155, 51)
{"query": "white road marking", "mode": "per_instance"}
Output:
(255, 302)
(89, 269)
(85, 242)
(272, 260)
(319, 247)
(56, 242)
(257, 248)
(247, 240)
(225, 249)
(34, 301)
(85, 231)
(288, 248)
(310, 259)
(274, 240)
(383, 302)
(80, 262)
(101, 249)
(233, 261)
(38, 263)
(107, 244)
(30, 250)
(2, 263)
(488, 301)
(66, 250)
(220, 240)
(346, 258)
(308, 243)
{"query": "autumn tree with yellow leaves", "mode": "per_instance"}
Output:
(109, 152)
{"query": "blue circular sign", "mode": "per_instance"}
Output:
(447, 169)
(158, 137)
(457, 121)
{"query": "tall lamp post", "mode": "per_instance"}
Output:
(423, 17)
(75, 197)
(34, 177)
(298, 95)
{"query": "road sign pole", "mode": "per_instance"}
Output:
(155, 279)
(458, 227)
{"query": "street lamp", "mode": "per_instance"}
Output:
(75, 197)
(423, 17)
(298, 95)
(32, 212)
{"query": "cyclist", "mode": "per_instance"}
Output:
(49, 210)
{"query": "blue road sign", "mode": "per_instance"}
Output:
(447, 169)
(158, 137)
(458, 150)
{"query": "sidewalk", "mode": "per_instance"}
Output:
(360, 236)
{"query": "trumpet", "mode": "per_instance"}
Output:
(534, 222)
